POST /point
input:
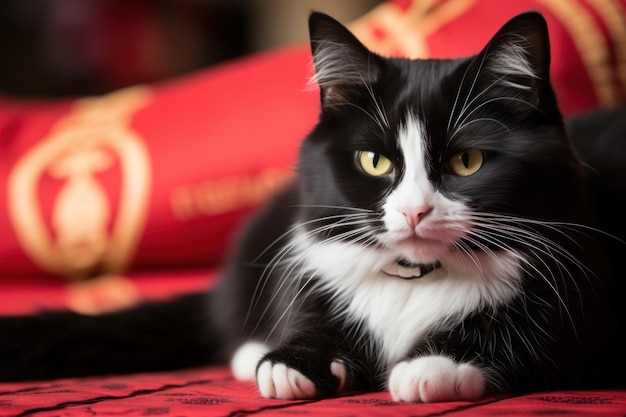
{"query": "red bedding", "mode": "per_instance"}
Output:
(212, 391)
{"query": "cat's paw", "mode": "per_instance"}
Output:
(277, 380)
(436, 378)
(246, 359)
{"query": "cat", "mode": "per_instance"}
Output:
(439, 241)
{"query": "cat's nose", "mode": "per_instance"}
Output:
(416, 215)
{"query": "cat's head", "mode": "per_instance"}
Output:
(430, 160)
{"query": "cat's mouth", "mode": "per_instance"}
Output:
(405, 269)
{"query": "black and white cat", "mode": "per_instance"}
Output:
(439, 241)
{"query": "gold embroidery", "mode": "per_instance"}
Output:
(395, 24)
(590, 44)
(86, 234)
(406, 31)
(81, 214)
(614, 16)
(104, 294)
(445, 14)
(213, 197)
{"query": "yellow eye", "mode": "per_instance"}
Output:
(467, 163)
(375, 164)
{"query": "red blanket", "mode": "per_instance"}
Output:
(212, 391)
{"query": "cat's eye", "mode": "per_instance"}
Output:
(467, 163)
(375, 164)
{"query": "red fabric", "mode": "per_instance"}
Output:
(29, 295)
(152, 176)
(212, 391)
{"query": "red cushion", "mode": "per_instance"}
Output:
(150, 176)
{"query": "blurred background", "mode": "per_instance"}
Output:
(53, 48)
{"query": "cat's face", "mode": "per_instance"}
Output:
(429, 160)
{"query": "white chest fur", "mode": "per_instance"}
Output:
(400, 312)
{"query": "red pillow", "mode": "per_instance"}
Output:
(149, 176)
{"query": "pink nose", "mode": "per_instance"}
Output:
(415, 216)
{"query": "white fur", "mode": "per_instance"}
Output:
(338, 369)
(415, 193)
(284, 383)
(435, 378)
(512, 59)
(400, 312)
(277, 380)
(335, 64)
(246, 359)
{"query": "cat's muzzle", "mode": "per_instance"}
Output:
(405, 269)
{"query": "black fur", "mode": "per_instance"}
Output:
(154, 336)
(562, 332)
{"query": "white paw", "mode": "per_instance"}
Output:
(281, 382)
(246, 359)
(338, 369)
(435, 378)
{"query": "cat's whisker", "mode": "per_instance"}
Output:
(384, 121)
(484, 103)
(288, 274)
(556, 226)
(300, 225)
(562, 305)
(464, 250)
(288, 271)
(534, 270)
(285, 250)
(362, 210)
(284, 279)
(379, 108)
(287, 277)
(513, 222)
(507, 227)
(456, 98)
(370, 115)
(525, 237)
(494, 236)
(497, 81)
(482, 119)
(471, 90)
(497, 234)
(288, 308)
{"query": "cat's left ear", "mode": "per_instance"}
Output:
(341, 61)
(518, 56)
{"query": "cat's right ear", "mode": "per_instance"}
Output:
(341, 61)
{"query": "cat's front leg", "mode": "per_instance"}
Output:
(436, 378)
(283, 381)
(307, 367)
